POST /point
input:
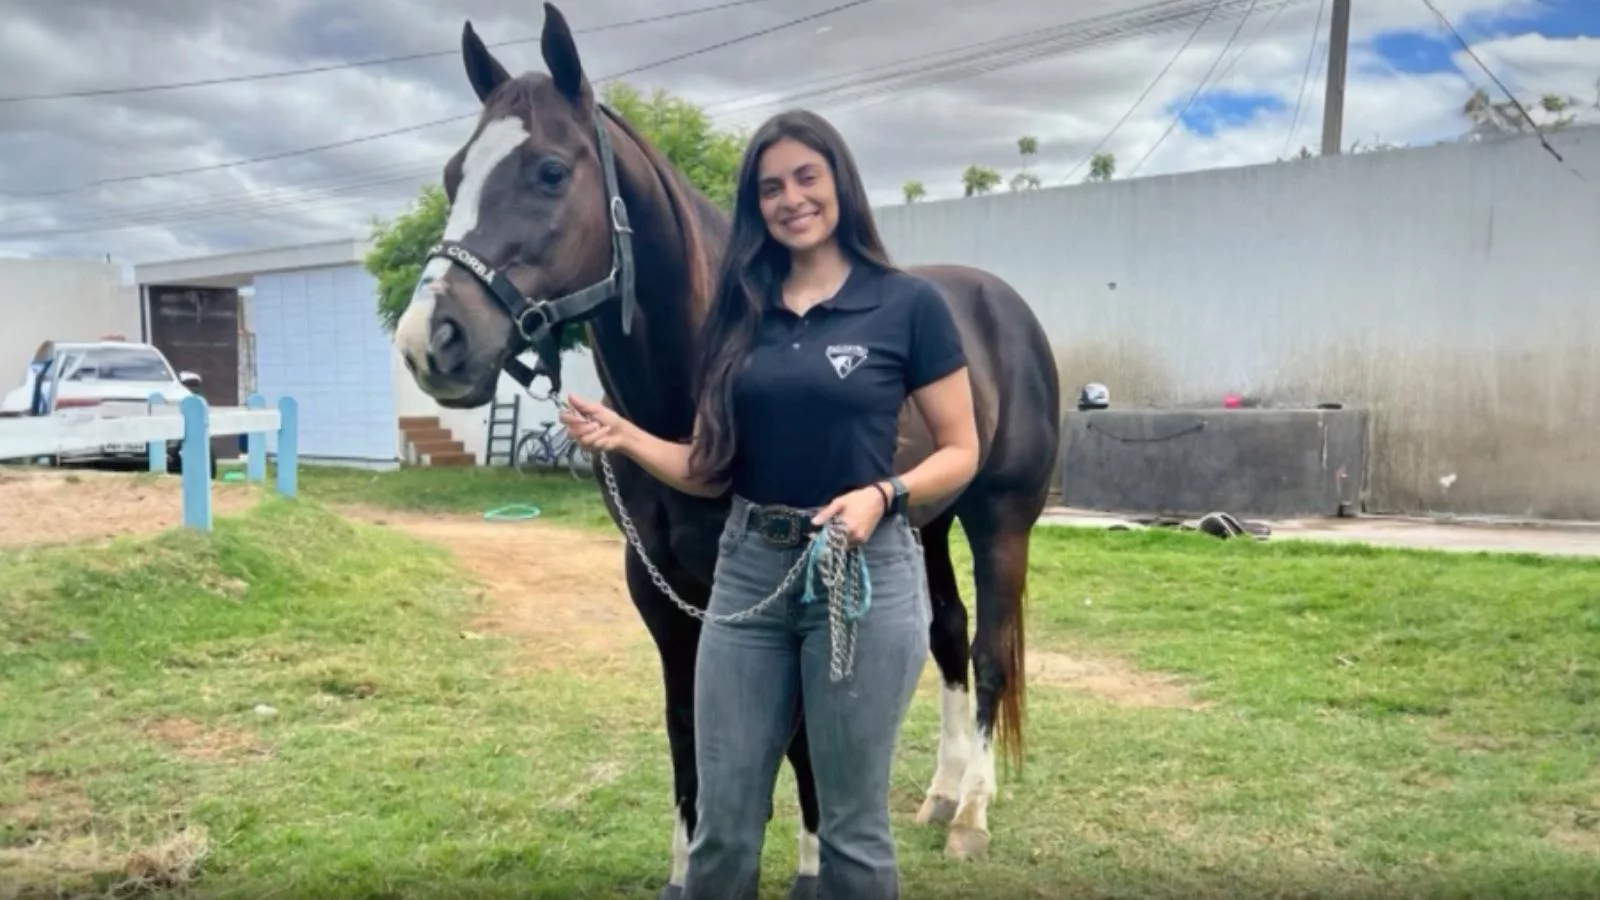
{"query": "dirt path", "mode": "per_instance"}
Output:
(56, 506)
(561, 593)
(559, 590)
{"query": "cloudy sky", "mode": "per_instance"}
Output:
(921, 88)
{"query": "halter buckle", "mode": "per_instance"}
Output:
(619, 216)
(540, 311)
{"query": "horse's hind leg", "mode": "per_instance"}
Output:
(951, 653)
(998, 536)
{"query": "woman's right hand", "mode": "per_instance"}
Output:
(595, 426)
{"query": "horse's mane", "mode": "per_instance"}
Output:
(698, 219)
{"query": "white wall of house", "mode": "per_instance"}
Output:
(60, 300)
(318, 339)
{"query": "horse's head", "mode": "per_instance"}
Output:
(536, 236)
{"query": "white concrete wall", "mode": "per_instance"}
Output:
(1455, 290)
(62, 300)
(471, 426)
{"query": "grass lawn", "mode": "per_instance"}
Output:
(558, 495)
(295, 706)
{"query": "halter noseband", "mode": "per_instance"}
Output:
(539, 321)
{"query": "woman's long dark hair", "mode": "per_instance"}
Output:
(754, 266)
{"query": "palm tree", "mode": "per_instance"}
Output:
(977, 180)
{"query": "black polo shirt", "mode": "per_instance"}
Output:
(817, 401)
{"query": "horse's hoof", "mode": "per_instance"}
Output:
(966, 843)
(670, 892)
(804, 888)
(937, 811)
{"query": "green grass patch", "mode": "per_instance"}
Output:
(1377, 723)
(560, 497)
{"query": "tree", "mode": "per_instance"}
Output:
(1493, 119)
(685, 135)
(1102, 166)
(398, 248)
(709, 158)
(1025, 180)
(977, 180)
(913, 191)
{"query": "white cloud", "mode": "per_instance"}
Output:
(930, 133)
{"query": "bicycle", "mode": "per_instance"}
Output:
(549, 447)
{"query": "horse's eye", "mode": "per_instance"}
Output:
(551, 174)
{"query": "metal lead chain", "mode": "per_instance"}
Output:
(842, 566)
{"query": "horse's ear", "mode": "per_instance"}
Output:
(483, 70)
(561, 56)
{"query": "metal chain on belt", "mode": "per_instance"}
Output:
(843, 571)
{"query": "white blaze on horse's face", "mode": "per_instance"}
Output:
(494, 145)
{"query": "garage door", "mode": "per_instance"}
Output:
(197, 329)
(318, 340)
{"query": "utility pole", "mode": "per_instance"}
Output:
(1333, 105)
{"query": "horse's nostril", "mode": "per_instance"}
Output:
(447, 348)
(444, 334)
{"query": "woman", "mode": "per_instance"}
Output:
(812, 343)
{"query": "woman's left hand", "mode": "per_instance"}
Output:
(860, 509)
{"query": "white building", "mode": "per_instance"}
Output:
(59, 300)
(304, 323)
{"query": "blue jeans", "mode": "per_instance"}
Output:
(755, 675)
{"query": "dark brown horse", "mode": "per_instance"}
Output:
(555, 196)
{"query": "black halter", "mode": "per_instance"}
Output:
(539, 322)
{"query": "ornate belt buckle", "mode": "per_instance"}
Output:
(781, 529)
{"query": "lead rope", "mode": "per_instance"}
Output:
(842, 568)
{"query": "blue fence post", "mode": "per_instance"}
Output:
(196, 463)
(157, 449)
(255, 445)
(288, 445)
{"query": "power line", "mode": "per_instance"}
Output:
(280, 206)
(1305, 78)
(436, 122)
(233, 198)
(1197, 89)
(967, 60)
(381, 61)
(1140, 17)
(1501, 85)
(251, 203)
(1151, 16)
(1146, 92)
(900, 91)
(270, 157)
(1251, 45)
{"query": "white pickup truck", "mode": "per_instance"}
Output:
(109, 378)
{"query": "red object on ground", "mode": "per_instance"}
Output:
(1231, 401)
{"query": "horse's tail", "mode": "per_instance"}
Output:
(1013, 700)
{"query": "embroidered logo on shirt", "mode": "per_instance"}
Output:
(846, 358)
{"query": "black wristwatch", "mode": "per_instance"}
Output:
(900, 497)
